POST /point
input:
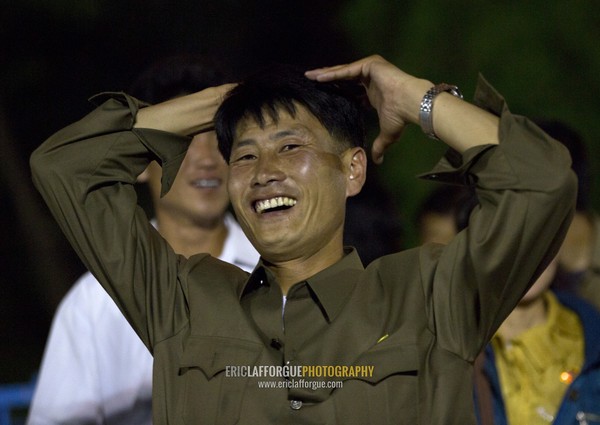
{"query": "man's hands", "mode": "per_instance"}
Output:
(186, 115)
(395, 95)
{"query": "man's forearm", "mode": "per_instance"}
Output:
(185, 115)
(462, 125)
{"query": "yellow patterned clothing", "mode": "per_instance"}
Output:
(536, 368)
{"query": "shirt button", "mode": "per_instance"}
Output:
(296, 404)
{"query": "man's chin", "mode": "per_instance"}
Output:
(276, 252)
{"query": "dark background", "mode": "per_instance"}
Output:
(542, 56)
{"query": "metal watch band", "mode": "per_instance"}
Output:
(426, 110)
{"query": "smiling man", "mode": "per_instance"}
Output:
(296, 173)
(416, 320)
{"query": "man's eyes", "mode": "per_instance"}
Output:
(289, 146)
(246, 157)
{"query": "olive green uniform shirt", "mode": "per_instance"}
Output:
(418, 318)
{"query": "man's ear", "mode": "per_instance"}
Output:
(356, 170)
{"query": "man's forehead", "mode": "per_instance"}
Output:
(282, 124)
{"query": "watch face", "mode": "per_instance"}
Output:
(426, 107)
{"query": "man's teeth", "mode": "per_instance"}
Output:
(280, 201)
(207, 183)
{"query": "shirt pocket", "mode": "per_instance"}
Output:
(209, 395)
(389, 394)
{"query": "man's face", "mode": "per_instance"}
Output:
(288, 186)
(199, 192)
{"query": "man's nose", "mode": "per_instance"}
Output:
(268, 169)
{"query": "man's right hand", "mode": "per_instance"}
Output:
(186, 115)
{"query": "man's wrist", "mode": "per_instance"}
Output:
(426, 107)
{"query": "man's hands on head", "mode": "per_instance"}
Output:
(186, 115)
(397, 96)
(394, 94)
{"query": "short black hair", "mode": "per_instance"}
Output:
(281, 87)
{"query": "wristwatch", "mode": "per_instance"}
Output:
(426, 110)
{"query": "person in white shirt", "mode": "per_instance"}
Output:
(95, 368)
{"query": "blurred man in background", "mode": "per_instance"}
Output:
(96, 370)
(579, 258)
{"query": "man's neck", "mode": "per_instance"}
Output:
(296, 270)
(189, 238)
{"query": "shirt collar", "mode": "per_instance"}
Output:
(553, 337)
(330, 288)
(260, 276)
(333, 286)
(547, 342)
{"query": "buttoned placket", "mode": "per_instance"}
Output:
(294, 323)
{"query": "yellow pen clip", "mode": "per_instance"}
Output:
(382, 338)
